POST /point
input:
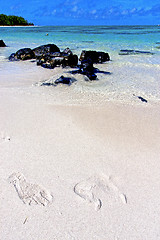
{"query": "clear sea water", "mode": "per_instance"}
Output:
(130, 75)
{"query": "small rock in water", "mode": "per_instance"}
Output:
(96, 57)
(2, 44)
(134, 52)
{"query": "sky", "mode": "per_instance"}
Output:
(84, 12)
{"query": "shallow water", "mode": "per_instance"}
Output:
(122, 77)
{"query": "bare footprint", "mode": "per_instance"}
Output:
(30, 193)
(86, 188)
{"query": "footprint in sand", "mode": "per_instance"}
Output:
(30, 193)
(85, 189)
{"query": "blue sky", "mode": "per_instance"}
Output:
(83, 12)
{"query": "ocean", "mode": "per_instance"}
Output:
(121, 79)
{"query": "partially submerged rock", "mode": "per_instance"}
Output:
(86, 68)
(2, 44)
(61, 79)
(43, 51)
(22, 54)
(49, 62)
(65, 58)
(25, 54)
(94, 56)
(70, 60)
(66, 52)
(134, 52)
(64, 80)
(48, 49)
(13, 57)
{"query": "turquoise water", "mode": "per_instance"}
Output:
(135, 74)
(107, 38)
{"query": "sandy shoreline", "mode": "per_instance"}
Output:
(113, 148)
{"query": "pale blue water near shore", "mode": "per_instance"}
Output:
(106, 38)
(130, 74)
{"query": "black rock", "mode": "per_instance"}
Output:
(64, 80)
(40, 61)
(71, 60)
(96, 57)
(58, 60)
(53, 62)
(55, 54)
(66, 52)
(43, 59)
(13, 57)
(22, 54)
(86, 65)
(48, 65)
(2, 44)
(142, 99)
(25, 53)
(91, 76)
(86, 68)
(45, 49)
(47, 58)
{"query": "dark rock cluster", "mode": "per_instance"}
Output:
(57, 58)
(50, 56)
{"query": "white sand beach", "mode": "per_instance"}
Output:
(98, 163)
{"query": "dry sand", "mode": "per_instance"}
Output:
(98, 164)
